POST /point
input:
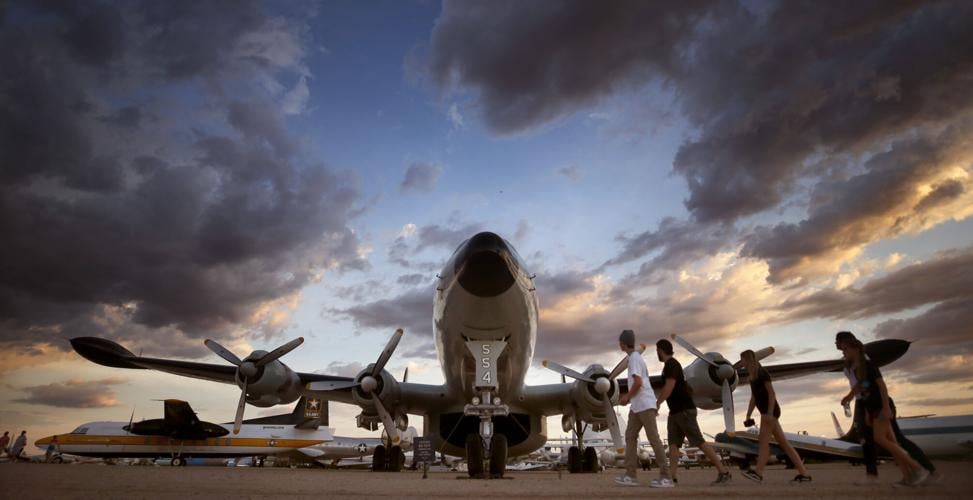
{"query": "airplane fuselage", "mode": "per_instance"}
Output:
(111, 440)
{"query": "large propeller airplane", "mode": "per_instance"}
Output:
(485, 318)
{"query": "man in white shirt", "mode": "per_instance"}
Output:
(642, 414)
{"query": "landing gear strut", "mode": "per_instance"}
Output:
(485, 406)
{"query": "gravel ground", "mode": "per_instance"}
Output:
(26, 481)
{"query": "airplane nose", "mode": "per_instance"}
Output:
(482, 269)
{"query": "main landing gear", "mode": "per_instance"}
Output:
(582, 461)
(388, 459)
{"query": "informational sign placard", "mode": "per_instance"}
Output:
(486, 353)
(423, 450)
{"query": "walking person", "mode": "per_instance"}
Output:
(682, 424)
(642, 414)
(878, 412)
(19, 444)
(5, 443)
(764, 398)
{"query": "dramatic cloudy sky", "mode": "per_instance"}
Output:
(742, 173)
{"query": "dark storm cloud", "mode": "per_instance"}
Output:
(411, 311)
(535, 62)
(943, 342)
(74, 393)
(421, 177)
(885, 201)
(946, 276)
(770, 90)
(151, 191)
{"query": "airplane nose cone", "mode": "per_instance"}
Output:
(482, 268)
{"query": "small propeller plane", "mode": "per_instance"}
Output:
(485, 320)
(181, 435)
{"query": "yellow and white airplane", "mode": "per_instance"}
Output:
(181, 435)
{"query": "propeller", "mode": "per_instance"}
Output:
(369, 384)
(601, 385)
(725, 371)
(249, 368)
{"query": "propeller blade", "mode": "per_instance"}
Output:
(689, 347)
(387, 421)
(387, 353)
(238, 420)
(728, 410)
(616, 432)
(332, 385)
(563, 370)
(222, 352)
(623, 364)
(761, 354)
(280, 351)
(405, 375)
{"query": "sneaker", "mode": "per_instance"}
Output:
(919, 477)
(722, 479)
(801, 478)
(935, 478)
(626, 481)
(662, 483)
(752, 475)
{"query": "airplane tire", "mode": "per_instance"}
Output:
(474, 455)
(378, 459)
(498, 455)
(178, 462)
(574, 460)
(590, 460)
(396, 458)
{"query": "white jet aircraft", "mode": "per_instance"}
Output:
(485, 320)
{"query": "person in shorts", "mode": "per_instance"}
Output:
(682, 424)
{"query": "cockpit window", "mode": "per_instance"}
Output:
(80, 430)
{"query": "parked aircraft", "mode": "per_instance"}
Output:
(485, 319)
(181, 435)
(938, 437)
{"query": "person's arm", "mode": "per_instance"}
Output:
(771, 397)
(667, 389)
(634, 386)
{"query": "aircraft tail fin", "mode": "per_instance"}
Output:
(837, 426)
(308, 414)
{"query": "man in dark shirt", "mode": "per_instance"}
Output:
(682, 424)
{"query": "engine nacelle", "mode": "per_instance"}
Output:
(588, 400)
(706, 383)
(274, 384)
(387, 389)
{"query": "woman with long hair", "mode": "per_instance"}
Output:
(878, 412)
(763, 398)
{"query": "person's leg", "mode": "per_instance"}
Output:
(886, 439)
(788, 449)
(695, 437)
(911, 448)
(869, 453)
(632, 444)
(763, 443)
(652, 432)
(675, 437)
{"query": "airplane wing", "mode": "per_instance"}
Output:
(882, 352)
(107, 353)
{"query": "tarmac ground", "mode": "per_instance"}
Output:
(27, 481)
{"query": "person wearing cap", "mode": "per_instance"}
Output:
(642, 414)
